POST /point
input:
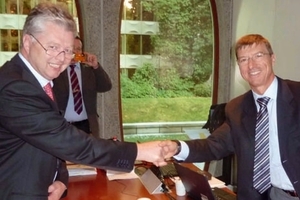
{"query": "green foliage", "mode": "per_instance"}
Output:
(165, 109)
(203, 89)
(146, 73)
(147, 82)
(171, 85)
(131, 89)
(178, 88)
(186, 36)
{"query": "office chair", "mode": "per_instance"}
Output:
(216, 118)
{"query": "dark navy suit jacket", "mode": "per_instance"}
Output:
(237, 135)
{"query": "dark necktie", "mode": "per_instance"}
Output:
(48, 89)
(76, 90)
(261, 173)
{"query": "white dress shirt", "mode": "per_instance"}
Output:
(70, 114)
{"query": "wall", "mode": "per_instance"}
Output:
(277, 21)
(101, 28)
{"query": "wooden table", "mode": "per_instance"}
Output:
(95, 187)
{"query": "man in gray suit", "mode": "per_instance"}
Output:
(239, 133)
(92, 79)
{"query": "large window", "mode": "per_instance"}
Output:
(170, 72)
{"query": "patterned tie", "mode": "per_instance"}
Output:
(48, 89)
(76, 90)
(261, 175)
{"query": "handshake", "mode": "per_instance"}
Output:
(157, 152)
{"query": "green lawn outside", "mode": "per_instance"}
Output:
(146, 138)
(165, 109)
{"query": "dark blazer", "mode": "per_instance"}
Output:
(237, 135)
(34, 137)
(93, 81)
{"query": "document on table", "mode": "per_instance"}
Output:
(80, 170)
(214, 182)
(114, 175)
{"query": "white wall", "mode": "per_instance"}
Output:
(277, 20)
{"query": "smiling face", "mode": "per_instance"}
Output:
(257, 71)
(46, 65)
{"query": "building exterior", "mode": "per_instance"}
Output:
(136, 27)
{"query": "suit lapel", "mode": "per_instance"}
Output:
(28, 76)
(65, 80)
(84, 78)
(26, 73)
(286, 112)
(249, 115)
(248, 123)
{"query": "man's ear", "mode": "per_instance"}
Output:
(27, 41)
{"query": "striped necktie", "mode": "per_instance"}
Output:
(76, 90)
(261, 173)
(48, 89)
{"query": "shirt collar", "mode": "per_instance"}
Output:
(271, 92)
(43, 81)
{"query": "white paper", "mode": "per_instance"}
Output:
(113, 175)
(80, 170)
(214, 182)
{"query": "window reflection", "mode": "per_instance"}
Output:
(147, 15)
(9, 40)
(147, 47)
(12, 8)
(133, 44)
(134, 10)
(26, 7)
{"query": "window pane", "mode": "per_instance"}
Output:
(133, 44)
(147, 48)
(132, 8)
(9, 40)
(147, 15)
(11, 7)
(173, 64)
(25, 6)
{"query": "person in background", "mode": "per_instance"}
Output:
(91, 79)
(35, 138)
(262, 128)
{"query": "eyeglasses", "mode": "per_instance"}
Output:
(54, 51)
(242, 61)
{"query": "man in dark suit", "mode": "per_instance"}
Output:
(92, 79)
(281, 177)
(34, 136)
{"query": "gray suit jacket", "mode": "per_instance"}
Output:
(236, 135)
(35, 137)
(93, 81)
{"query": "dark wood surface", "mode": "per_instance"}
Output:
(94, 187)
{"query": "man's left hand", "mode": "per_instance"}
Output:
(55, 190)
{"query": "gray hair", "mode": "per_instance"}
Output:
(48, 12)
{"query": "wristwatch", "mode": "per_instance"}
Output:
(178, 146)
